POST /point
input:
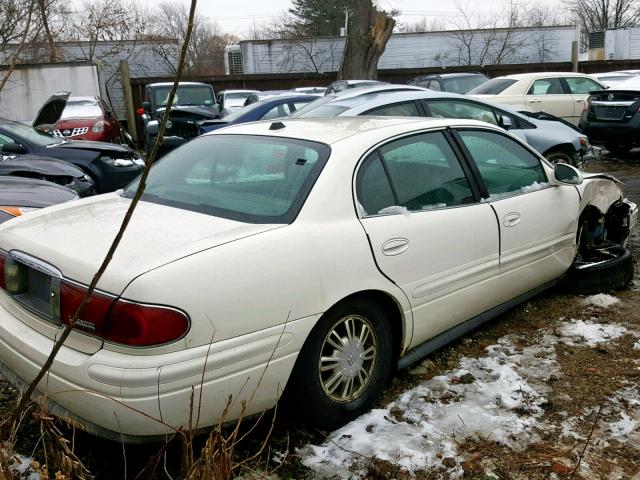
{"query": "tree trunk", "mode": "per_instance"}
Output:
(366, 41)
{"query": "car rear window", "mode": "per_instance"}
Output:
(252, 179)
(493, 87)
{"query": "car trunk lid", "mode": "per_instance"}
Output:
(613, 106)
(76, 239)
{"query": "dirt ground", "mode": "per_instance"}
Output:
(577, 411)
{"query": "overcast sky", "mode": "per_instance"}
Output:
(237, 16)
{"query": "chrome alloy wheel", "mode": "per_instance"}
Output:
(347, 358)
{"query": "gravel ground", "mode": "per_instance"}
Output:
(588, 399)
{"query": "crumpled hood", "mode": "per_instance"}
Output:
(75, 238)
(204, 112)
(97, 146)
(11, 165)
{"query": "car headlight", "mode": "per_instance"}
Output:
(98, 127)
(119, 162)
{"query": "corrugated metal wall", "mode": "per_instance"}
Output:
(415, 50)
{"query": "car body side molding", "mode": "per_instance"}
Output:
(439, 341)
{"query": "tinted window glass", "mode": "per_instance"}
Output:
(241, 177)
(426, 173)
(81, 109)
(506, 167)
(277, 112)
(372, 187)
(546, 86)
(434, 85)
(580, 85)
(185, 95)
(461, 109)
(493, 87)
(408, 109)
(463, 84)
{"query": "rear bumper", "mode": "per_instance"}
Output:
(138, 398)
(623, 133)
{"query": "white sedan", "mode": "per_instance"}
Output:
(308, 254)
(562, 94)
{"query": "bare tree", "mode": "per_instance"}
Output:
(425, 24)
(597, 15)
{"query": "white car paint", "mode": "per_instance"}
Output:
(564, 104)
(253, 292)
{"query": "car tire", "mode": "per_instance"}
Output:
(560, 156)
(615, 273)
(618, 149)
(328, 386)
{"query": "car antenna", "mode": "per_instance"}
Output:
(276, 126)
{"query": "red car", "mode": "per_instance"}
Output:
(87, 118)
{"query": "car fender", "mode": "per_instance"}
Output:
(600, 191)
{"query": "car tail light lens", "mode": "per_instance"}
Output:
(98, 127)
(584, 141)
(121, 321)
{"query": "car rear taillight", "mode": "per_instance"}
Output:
(122, 321)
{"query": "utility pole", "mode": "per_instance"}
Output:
(346, 21)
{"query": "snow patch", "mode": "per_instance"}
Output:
(601, 300)
(394, 210)
(636, 346)
(590, 333)
(424, 424)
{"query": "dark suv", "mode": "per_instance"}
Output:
(450, 82)
(193, 103)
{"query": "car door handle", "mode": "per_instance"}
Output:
(395, 246)
(511, 219)
(535, 100)
(579, 100)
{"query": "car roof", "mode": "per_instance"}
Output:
(529, 76)
(83, 99)
(333, 130)
(452, 75)
(239, 91)
(380, 99)
(170, 84)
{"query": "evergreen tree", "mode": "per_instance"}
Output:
(317, 18)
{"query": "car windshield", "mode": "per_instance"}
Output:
(493, 87)
(30, 134)
(81, 109)
(252, 179)
(201, 95)
(463, 84)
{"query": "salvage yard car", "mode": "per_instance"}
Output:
(556, 140)
(109, 165)
(310, 256)
(22, 195)
(562, 94)
(612, 117)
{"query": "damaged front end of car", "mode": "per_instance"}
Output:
(603, 262)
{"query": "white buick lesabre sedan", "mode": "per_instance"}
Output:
(310, 256)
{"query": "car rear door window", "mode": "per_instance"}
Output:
(461, 109)
(422, 173)
(546, 86)
(435, 85)
(506, 167)
(581, 85)
(407, 109)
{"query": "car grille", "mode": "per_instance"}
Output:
(34, 285)
(68, 132)
(609, 113)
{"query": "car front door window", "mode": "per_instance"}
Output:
(582, 86)
(506, 167)
(407, 109)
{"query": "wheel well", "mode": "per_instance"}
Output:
(590, 228)
(564, 148)
(390, 307)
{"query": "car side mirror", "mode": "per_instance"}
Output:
(13, 148)
(567, 174)
(146, 106)
(505, 122)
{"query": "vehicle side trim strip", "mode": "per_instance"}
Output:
(461, 329)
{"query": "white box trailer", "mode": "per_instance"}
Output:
(29, 86)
